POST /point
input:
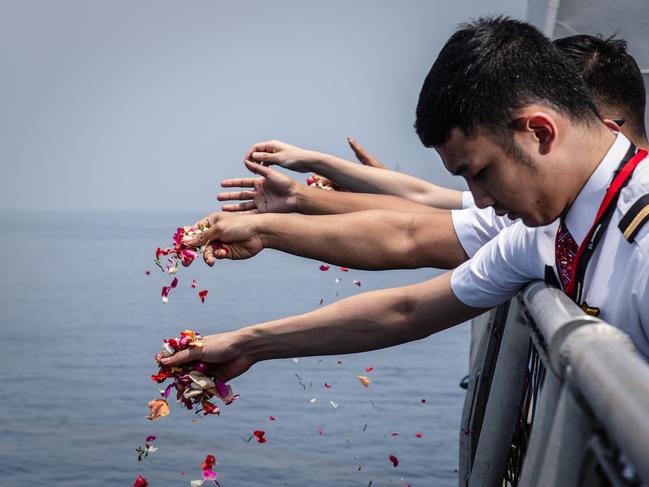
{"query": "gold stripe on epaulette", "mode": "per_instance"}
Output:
(642, 214)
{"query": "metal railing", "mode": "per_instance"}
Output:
(556, 397)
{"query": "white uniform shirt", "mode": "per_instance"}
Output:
(474, 226)
(617, 277)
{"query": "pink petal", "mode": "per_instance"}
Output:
(209, 474)
(174, 283)
(324, 267)
(165, 291)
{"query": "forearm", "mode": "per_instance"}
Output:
(314, 201)
(367, 321)
(373, 240)
(365, 179)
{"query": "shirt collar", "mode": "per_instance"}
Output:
(582, 213)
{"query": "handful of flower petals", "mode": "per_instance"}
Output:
(193, 387)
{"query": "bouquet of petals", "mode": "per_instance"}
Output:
(181, 253)
(193, 387)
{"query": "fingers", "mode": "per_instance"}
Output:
(363, 155)
(215, 251)
(238, 183)
(182, 357)
(245, 206)
(236, 195)
(359, 150)
(257, 169)
(208, 255)
(269, 146)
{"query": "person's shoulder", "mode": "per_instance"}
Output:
(634, 206)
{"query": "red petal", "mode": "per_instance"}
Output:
(174, 283)
(324, 267)
(394, 461)
(140, 482)
(418, 435)
(260, 436)
(202, 295)
(344, 269)
(328, 386)
(369, 369)
(272, 418)
(165, 291)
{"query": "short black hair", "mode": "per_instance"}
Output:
(488, 69)
(611, 73)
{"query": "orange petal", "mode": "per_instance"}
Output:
(365, 380)
(158, 408)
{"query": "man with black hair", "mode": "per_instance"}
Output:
(522, 129)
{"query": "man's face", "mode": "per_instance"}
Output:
(515, 188)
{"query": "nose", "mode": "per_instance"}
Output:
(482, 197)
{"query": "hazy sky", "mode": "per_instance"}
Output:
(149, 104)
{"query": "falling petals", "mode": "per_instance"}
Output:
(202, 295)
(418, 435)
(260, 436)
(324, 267)
(174, 283)
(194, 284)
(328, 386)
(394, 461)
(209, 408)
(157, 409)
(395, 433)
(357, 282)
(209, 475)
(344, 269)
(369, 369)
(272, 418)
(364, 380)
(140, 482)
(147, 273)
(210, 461)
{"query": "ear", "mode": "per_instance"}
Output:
(612, 125)
(544, 129)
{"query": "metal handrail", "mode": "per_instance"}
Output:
(576, 408)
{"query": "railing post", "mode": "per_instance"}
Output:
(505, 398)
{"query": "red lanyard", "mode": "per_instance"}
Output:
(604, 214)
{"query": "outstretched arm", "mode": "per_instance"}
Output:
(275, 192)
(367, 321)
(355, 177)
(374, 240)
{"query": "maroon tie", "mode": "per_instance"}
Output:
(565, 250)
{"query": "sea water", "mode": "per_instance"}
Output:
(81, 321)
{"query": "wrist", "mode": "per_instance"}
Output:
(264, 226)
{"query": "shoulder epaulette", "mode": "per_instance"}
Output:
(635, 218)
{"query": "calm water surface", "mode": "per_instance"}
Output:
(81, 322)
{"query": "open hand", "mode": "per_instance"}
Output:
(362, 155)
(273, 192)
